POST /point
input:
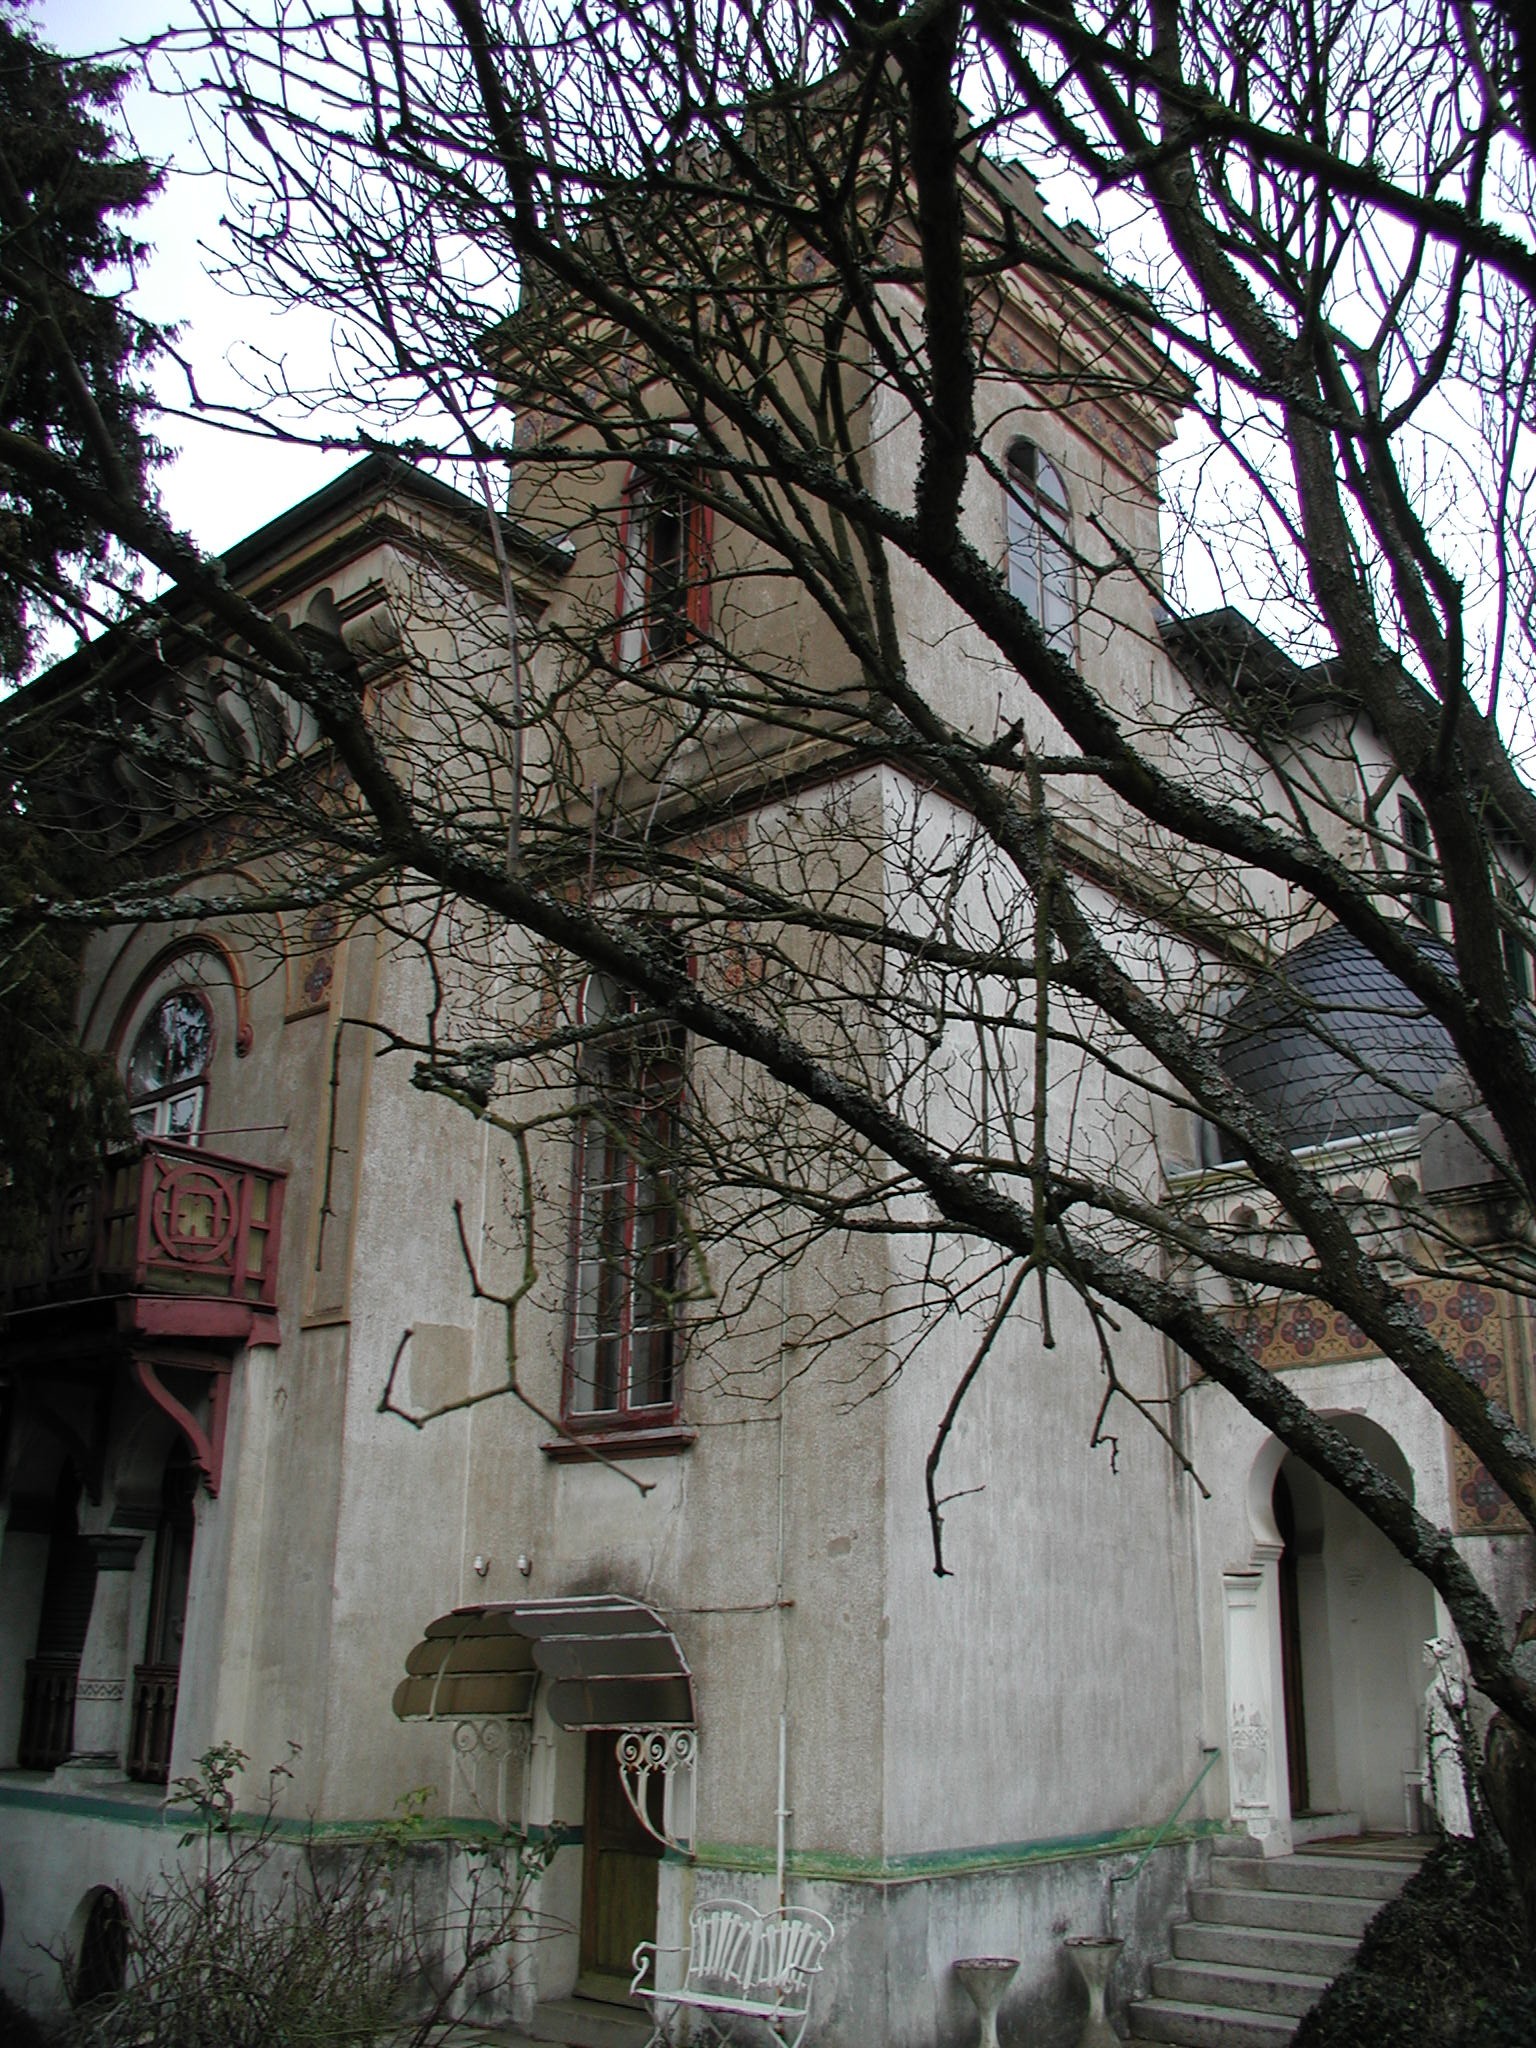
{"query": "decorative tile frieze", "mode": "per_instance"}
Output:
(109, 1690)
(1468, 1319)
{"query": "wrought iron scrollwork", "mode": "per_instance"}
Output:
(671, 1754)
(495, 1742)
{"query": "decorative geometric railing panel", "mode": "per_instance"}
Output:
(163, 1219)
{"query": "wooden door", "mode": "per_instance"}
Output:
(619, 1872)
(1290, 1650)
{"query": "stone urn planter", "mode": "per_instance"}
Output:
(986, 1978)
(1094, 1956)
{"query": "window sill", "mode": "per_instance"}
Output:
(668, 1440)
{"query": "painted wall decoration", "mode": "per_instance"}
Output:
(1473, 1323)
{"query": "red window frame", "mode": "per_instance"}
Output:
(622, 1367)
(663, 588)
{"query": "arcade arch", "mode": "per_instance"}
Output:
(1354, 1618)
(1325, 1646)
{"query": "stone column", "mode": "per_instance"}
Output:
(101, 1691)
(1256, 1759)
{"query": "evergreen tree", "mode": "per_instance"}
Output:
(70, 350)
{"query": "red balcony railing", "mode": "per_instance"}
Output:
(164, 1220)
(154, 1722)
(47, 1712)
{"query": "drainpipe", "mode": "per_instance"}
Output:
(781, 1815)
(783, 1810)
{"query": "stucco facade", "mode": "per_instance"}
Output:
(982, 1763)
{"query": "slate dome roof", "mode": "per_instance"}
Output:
(1334, 1045)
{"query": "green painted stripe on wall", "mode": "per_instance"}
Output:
(836, 1869)
(125, 1810)
(748, 1858)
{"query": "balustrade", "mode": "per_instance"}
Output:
(154, 1721)
(47, 1712)
(162, 1219)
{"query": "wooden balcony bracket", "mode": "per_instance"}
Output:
(206, 1445)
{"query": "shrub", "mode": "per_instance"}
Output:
(260, 1943)
(1442, 1959)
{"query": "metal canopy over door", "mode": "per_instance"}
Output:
(608, 1662)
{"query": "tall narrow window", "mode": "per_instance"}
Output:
(156, 1680)
(168, 1068)
(1517, 955)
(1419, 864)
(621, 1363)
(1040, 543)
(663, 585)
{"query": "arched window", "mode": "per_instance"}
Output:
(1040, 543)
(168, 1067)
(621, 1358)
(663, 585)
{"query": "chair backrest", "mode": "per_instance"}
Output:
(767, 1957)
(722, 1936)
(790, 1946)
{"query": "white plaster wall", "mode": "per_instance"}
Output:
(50, 1860)
(1044, 1690)
(1049, 1688)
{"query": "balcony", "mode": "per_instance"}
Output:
(181, 1241)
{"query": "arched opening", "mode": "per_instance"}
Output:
(1039, 517)
(1354, 1617)
(98, 1948)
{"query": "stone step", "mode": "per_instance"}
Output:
(585, 2023)
(1177, 2024)
(1262, 1948)
(1322, 1827)
(1356, 1877)
(1296, 1912)
(1242, 1986)
(1268, 1937)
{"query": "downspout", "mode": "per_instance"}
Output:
(781, 1814)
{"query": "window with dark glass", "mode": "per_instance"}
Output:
(621, 1357)
(663, 590)
(1419, 862)
(1517, 955)
(156, 1680)
(168, 1066)
(1040, 543)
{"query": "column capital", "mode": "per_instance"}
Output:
(114, 1550)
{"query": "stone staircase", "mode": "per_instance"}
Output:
(1267, 1937)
